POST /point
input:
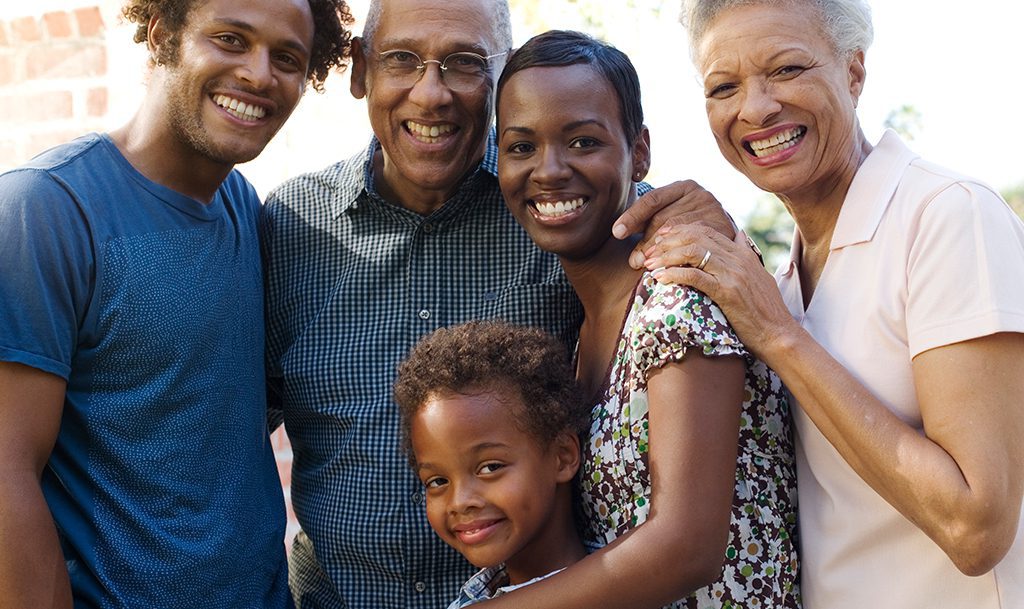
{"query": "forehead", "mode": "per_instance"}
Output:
(756, 33)
(287, 22)
(426, 24)
(561, 93)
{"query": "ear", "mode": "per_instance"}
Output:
(357, 82)
(566, 448)
(156, 36)
(641, 155)
(858, 73)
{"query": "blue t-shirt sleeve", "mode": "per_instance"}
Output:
(45, 264)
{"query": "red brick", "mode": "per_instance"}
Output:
(58, 24)
(90, 21)
(38, 107)
(96, 102)
(6, 69)
(67, 61)
(26, 29)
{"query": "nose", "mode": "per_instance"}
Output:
(257, 69)
(758, 105)
(430, 91)
(465, 496)
(552, 167)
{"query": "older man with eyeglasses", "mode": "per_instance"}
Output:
(368, 255)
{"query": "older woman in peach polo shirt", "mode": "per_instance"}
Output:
(900, 326)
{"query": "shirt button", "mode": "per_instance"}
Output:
(428, 228)
(420, 587)
(424, 314)
(417, 498)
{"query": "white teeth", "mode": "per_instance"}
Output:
(558, 208)
(429, 134)
(240, 109)
(777, 143)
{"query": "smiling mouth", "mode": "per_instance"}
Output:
(776, 143)
(240, 109)
(429, 134)
(554, 209)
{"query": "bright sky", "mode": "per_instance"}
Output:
(959, 64)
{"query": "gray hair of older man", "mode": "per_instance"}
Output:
(502, 24)
(847, 23)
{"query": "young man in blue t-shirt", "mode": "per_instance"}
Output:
(135, 465)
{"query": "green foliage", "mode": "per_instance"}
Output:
(1015, 197)
(906, 121)
(771, 228)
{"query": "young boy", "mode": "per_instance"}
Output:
(491, 418)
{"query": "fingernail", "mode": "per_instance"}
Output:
(619, 231)
(636, 260)
(658, 239)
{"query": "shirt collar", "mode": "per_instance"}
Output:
(871, 191)
(354, 179)
(869, 196)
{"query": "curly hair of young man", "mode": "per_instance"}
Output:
(332, 36)
(495, 356)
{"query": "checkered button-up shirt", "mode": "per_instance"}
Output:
(352, 283)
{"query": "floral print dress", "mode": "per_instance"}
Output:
(663, 323)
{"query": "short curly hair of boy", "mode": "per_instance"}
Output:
(332, 36)
(495, 355)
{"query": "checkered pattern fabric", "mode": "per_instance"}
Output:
(352, 283)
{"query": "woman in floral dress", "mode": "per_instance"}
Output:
(688, 482)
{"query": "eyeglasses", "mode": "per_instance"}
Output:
(462, 72)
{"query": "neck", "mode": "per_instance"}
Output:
(602, 280)
(396, 188)
(147, 143)
(816, 209)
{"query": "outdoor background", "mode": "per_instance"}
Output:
(945, 74)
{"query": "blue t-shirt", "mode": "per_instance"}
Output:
(162, 482)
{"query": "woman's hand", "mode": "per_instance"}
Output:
(730, 273)
(679, 203)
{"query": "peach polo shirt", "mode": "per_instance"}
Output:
(920, 258)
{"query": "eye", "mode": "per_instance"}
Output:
(584, 142)
(469, 63)
(491, 467)
(288, 62)
(435, 482)
(229, 40)
(400, 60)
(721, 91)
(521, 148)
(789, 71)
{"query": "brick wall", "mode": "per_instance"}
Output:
(53, 80)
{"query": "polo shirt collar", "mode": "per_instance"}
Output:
(871, 191)
(869, 196)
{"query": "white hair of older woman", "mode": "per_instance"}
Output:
(847, 23)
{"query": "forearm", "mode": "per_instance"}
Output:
(963, 506)
(32, 568)
(647, 568)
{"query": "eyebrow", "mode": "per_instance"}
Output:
(476, 448)
(412, 43)
(569, 127)
(248, 27)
